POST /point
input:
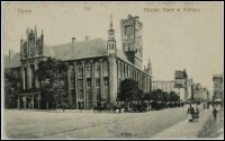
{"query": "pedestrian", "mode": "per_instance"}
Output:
(214, 113)
(204, 105)
(196, 112)
(190, 113)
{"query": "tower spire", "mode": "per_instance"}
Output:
(149, 63)
(111, 21)
(111, 44)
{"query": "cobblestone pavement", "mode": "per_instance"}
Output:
(71, 124)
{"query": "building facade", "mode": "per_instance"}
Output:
(95, 67)
(200, 94)
(218, 88)
(184, 85)
(166, 86)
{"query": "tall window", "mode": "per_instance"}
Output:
(25, 49)
(80, 84)
(98, 93)
(89, 96)
(106, 81)
(97, 69)
(118, 67)
(72, 76)
(32, 76)
(88, 83)
(72, 85)
(97, 82)
(88, 70)
(106, 68)
(80, 71)
(127, 72)
(121, 71)
(80, 87)
(25, 78)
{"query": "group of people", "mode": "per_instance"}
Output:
(193, 113)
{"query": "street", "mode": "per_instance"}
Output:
(74, 124)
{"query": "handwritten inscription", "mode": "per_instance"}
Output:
(24, 11)
(171, 10)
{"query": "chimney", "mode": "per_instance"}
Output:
(129, 16)
(86, 38)
(73, 39)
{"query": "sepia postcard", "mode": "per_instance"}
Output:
(112, 70)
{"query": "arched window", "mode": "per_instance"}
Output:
(80, 71)
(25, 49)
(112, 46)
(97, 69)
(32, 76)
(72, 76)
(72, 84)
(25, 78)
(127, 71)
(106, 68)
(88, 69)
(121, 71)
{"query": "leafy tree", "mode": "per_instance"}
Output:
(52, 74)
(12, 86)
(148, 96)
(129, 90)
(174, 96)
(166, 96)
(157, 95)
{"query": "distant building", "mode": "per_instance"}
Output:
(185, 92)
(200, 94)
(218, 88)
(95, 67)
(183, 84)
(166, 86)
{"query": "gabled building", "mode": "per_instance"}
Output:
(95, 67)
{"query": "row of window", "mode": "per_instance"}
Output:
(127, 72)
(88, 82)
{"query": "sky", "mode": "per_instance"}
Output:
(191, 39)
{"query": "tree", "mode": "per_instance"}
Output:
(148, 96)
(12, 86)
(129, 90)
(52, 74)
(157, 95)
(174, 97)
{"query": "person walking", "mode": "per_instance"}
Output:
(196, 113)
(214, 112)
(190, 113)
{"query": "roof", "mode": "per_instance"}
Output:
(73, 51)
(218, 76)
(180, 75)
(12, 63)
(80, 50)
(48, 51)
(85, 49)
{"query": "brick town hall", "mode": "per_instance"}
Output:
(95, 67)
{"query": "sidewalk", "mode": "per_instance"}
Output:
(184, 129)
(213, 128)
